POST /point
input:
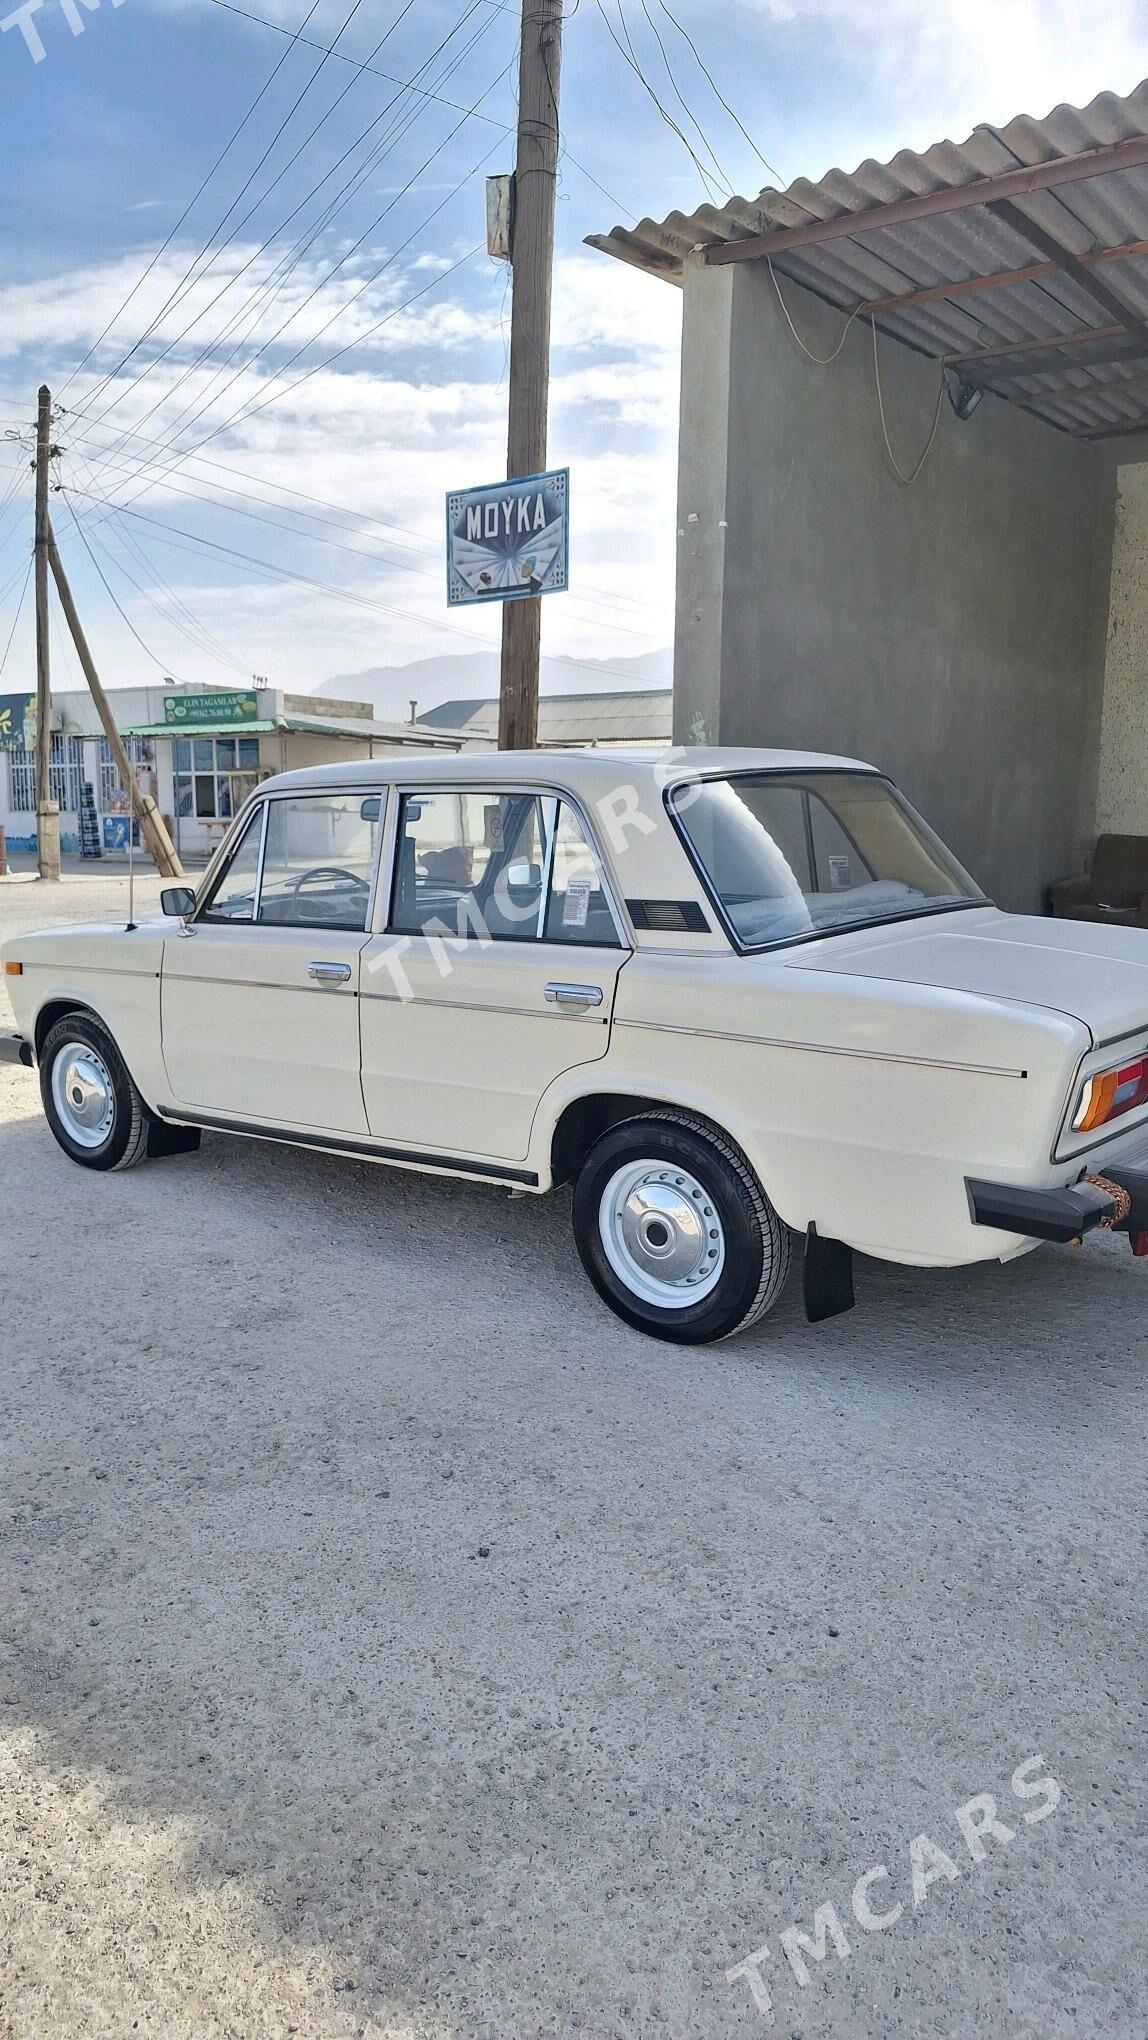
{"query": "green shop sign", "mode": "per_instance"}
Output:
(192, 709)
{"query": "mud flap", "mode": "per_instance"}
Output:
(827, 1277)
(165, 1139)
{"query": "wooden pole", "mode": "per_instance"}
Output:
(47, 810)
(532, 264)
(141, 805)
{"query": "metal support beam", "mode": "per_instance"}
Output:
(1094, 287)
(1107, 336)
(1032, 272)
(925, 205)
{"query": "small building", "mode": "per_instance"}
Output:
(197, 750)
(912, 497)
(569, 721)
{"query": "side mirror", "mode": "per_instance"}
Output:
(370, 809)
(177, 901)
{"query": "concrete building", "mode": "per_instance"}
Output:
(198, 750)
(912, 515)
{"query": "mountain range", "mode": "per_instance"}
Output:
(474, 675)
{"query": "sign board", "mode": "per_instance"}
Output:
(115, 832)
(508, 539)
(17, 722)
(190, 710)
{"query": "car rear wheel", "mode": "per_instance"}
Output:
(675, 1231)
(90, 1101)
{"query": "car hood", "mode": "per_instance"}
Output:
(1096, 974)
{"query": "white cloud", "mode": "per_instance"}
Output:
(415, 411)
(937, 69)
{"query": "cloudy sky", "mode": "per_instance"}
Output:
(251, 273)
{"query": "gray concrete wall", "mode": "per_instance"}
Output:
(951, 631)
(1122, 794)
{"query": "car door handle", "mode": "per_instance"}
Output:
(329, 973)
(574, 997)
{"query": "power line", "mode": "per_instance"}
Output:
(629, 58)
(189, 274)
(682, 101)
(175, 534)
(16, 618)
(113, 598)
(338, 519)
(246, 14)
(294, 37)
(716, 89)
(286, 263)
(196, 409)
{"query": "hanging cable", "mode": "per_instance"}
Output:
(822, 360)
(902, 477)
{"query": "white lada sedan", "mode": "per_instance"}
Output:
(734, 996)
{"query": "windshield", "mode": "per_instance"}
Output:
(793, 854)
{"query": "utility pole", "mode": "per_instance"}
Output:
(47, 810)
(141, 806)
(532, 267)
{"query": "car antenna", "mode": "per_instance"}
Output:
(130, 929)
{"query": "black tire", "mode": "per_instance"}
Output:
(124, 1145)
(755, 1244)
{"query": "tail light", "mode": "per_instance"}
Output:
(1111, 1093)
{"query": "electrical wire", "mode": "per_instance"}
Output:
(681, 98)
(341, 518)
(190, 274)
(905, 479)
(716, 89)
(113, 598)
(206, 398)
(19, 608)
(176, 534)
(295, 36)
(327, 213)
(822, 360)
(629, 58)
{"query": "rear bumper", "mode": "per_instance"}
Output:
(1064, 1214)
(14, 1049)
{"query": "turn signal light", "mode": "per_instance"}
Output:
(1111, 1093)
(13, 970)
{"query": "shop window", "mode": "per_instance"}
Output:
(65, 776)
(213, 776)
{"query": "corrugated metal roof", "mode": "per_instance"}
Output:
(1094, 387)
(641, 716)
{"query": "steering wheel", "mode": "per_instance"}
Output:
(328, 871)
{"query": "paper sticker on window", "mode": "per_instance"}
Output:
(840, 879)
(576, 905)
(493, 820)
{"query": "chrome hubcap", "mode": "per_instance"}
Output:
(661, 1234)
(83, 1095)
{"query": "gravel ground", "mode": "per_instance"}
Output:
(394, 1644)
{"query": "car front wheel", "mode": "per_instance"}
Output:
(675, 1231)
(90, 1101)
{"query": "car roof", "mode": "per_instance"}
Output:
(591, 771)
